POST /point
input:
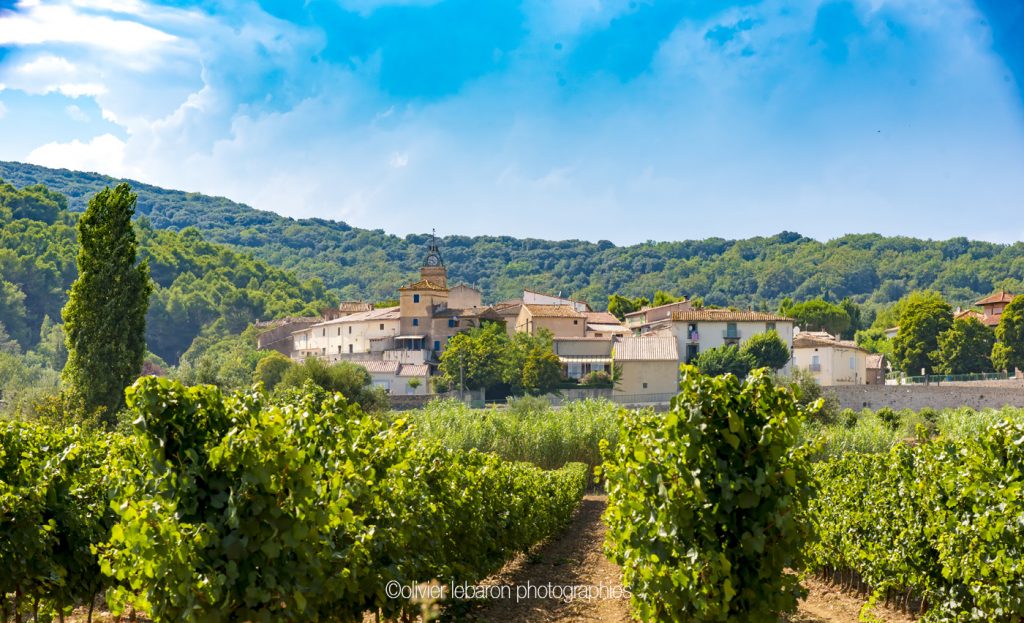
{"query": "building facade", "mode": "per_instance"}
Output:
(830, 360)
(700, 330)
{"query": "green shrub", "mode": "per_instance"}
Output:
(706, 502)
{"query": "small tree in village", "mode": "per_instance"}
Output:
(726, 359)
(1008, 352)
(966, 348)
(768, 350)
(105, 316)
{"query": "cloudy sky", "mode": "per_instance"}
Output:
(624, 120)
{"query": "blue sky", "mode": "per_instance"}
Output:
(624, 120)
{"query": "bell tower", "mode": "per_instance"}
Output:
(433, 269)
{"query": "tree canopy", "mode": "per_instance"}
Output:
(965, 348)
(105, 317)
(924, 316)
(768, 350)
(1008, 353)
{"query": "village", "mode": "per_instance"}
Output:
(400, 346)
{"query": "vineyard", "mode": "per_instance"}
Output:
(229, 508)
(237, 507)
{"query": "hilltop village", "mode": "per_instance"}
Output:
(401, 346)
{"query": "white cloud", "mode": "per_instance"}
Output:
(76, 113)
(104, 153)
(41, 24)
(399, 160)
(48, 73)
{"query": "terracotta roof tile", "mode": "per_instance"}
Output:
(1002, 297)
(727, 315)
(423, 284)
(553, 311)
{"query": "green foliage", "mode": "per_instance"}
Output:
(346, 378)
(874, 340)
(105, 317)
(856, 320)
(725, 360)
(938, 519)
(529, 430)
(270, 369)
(820, 315)
(768, 350)
(924, 316)
(1010, 334)
(596, 378)
(664, 298)
(809, 393)
(706, 502)
(354, 263)
(54, 486)
(243, 510)
(619, 305)
(475, 358)
(965, 348)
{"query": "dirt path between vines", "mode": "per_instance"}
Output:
(575, 558)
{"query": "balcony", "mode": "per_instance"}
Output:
(814, 367)
(731, 335)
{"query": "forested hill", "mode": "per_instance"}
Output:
(359, 263)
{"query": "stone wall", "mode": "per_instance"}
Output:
(917, 397)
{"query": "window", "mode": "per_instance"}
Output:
(853, 363)
(382, 326)
(599, 335)
(645, 385)
(324, 334)
(452, 322)
(437, 344)
(575, 321)
(415, 298)
(349, 348)
(350, 330)
(415, 322)
(339, 330)
(770, 326)
(815, 363)
(730, 330)
(575, 370)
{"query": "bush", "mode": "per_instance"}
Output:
(706, 502)
(597, 378)
(889, 417)
(348, 379)
(768, 350)
(725, 360)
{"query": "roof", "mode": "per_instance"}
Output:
(553, 311)
(876, 362)
(589, 338)
(1002, 297)
(379, 367)
(608, 328)
(507, 308)
(423, 284)
(409, 337)
(648, 309)
(820, 339)
(414, 370)
(969, 313)
(602, 318)
(384, 313)
(353, 306)
(727, 315)
(646, 348)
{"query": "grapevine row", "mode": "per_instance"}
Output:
(937, 525)
(224, 508)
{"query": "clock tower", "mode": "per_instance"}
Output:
(433, 269)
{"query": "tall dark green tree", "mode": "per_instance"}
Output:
(924, 316)
(1008, 353)
(966, 348)
(818, 315)
(105, 316)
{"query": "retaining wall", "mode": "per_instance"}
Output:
(917, 397)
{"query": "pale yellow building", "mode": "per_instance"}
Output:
(360, 335)
(560, 320)
(647, 366)
(830, 360)
(582, 355)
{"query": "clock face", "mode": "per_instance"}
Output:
(432, 260)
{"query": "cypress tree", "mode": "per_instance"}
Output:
(105, 316)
